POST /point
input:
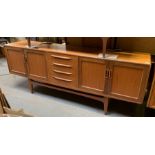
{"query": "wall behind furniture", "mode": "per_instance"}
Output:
(94, 42)
(139, 44)
(14, 39)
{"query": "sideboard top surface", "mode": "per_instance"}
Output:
(123, 56)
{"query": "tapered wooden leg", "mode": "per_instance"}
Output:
(140, 110)
(106, 103)
(30, 85)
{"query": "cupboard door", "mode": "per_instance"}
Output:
(92, 75)
(36, 65)
(128, 81)
(16, 61)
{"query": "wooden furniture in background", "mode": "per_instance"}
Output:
(5, 109)
(140, 44)
(151, 99)
(90, 42)
(82, 71)
(3, 41)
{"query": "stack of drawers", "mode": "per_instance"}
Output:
(64, 70)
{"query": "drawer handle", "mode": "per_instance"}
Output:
(66, 80)
(67, 73)
(61, 57)
(62, 65)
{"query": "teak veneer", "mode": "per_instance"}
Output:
(151, 99)
(82, 71)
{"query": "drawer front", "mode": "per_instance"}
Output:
(65, 75)
(63, 70)
(62, 59)
(59, 81)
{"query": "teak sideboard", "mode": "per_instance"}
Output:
(82, 71)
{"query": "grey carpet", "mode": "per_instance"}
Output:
(3, 67)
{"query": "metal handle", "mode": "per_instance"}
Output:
(106, 73)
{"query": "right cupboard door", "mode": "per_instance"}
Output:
(128, 81)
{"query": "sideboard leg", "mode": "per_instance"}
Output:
(30, 85)
(106, 103)
(140, 110)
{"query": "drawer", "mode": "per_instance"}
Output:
(61, 74)
(63, 70)
(65, 82)
(62, 59)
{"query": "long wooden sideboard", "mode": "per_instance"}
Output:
(82, 71)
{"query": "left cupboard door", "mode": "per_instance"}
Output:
(16, 61)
